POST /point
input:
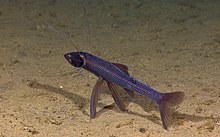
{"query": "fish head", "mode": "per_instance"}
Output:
(76, 59)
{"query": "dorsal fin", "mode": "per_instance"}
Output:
(122, 67)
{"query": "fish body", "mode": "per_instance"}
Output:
(117, 74)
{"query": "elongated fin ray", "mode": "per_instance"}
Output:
(94, 96)
(115, 95)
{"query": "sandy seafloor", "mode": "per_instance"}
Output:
(170, 45)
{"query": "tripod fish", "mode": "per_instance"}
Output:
(117, 74)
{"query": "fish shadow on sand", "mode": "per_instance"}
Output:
(179, 118)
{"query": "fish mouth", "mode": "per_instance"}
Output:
(67, 57)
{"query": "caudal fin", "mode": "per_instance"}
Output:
(166, 103)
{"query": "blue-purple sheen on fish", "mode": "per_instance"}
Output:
(115, 74)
